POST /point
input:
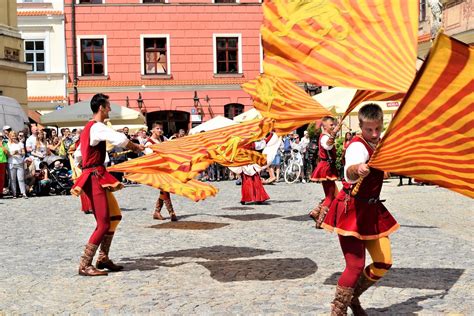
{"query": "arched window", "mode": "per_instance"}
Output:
(233, 109)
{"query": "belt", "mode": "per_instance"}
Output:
(369, 200)
(92, 166)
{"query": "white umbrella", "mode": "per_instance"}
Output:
(249, 115)
(79, 113)
(12, 114)
(214, 123)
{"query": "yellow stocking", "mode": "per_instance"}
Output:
(114, 212)
(381, 253)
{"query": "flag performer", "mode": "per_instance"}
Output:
(96, 185)
(361, 220)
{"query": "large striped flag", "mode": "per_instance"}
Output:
(431, 138)
(363, 44)
(173, 164)
(285, 102)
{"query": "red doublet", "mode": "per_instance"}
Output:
(93, 158)
(325, 170)
(355, 216)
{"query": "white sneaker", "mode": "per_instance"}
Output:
(304, 181)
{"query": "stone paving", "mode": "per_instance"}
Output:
(224, 258)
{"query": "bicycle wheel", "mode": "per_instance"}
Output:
(292, 172)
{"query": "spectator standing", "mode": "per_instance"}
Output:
(3, 162)
(304, 147)
(40, 149)
(16, 165)
(31, 141)
(30, 174)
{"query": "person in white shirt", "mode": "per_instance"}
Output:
(31, 140)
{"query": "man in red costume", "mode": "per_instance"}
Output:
(360, 219)
(164, 197)
(95, 185)
(326, 170)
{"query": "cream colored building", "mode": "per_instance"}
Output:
(457, 21)
(41, 23)
(12, 67)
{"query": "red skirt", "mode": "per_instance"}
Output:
(252, 189)
(324, 171)
(359, 219)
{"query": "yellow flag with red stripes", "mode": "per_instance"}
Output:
(363, 44)
(431, 138)
(173, 164)
(284, 102)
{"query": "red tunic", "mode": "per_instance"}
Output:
(326, 168)
(357, 216)
(93, 158)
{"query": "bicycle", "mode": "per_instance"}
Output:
(293, 168)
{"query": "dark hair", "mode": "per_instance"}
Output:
(97, 101)
(43, 164)
(370, 112)
(155, 124)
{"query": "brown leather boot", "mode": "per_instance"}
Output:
(341, 301)
(103, 261)
(170, 209)
(362, 285)
(157, 214)
(318, 214)
(85, 266)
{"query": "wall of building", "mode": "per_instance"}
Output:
(45, 22)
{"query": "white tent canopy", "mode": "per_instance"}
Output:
(249, 115)
(338, 99)
(214, 123)
(79, 113)
(12, 114)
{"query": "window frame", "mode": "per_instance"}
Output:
(233, 106)
(239, 53)
(142, 53)
(422, 10)
(236, 1)
(79, 2)
(166, 1)
(46, 52)
(79, 54)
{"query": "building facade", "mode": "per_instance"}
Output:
(12, 67)
(457, 20)
(41, 24)
(178, 61)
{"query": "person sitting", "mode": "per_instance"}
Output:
(43, 179)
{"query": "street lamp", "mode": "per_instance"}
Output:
(196, 99)
(141, 104)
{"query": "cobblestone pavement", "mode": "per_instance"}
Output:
(225, 258)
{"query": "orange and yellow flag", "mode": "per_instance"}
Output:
(285, 102)
(363, 44)
(173, 164)
(431, 138)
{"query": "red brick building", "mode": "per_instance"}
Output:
(181, 61)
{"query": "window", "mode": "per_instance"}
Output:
(155, 56)
(34, 55)
(422, 16)
(90, 1)
(30, 1)
(154, 1)
(233, 109)
(227, 52)
(92, 57)
(225, 1)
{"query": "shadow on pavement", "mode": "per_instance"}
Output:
(238, 208)
(224, 268)
(251, 217)
(283, 201)
(418, 226)
(260, 269)
(408, 307)
(124, 209)
(415, 278)
(299, 218)
(189, 225)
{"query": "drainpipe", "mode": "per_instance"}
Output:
(74, 50)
